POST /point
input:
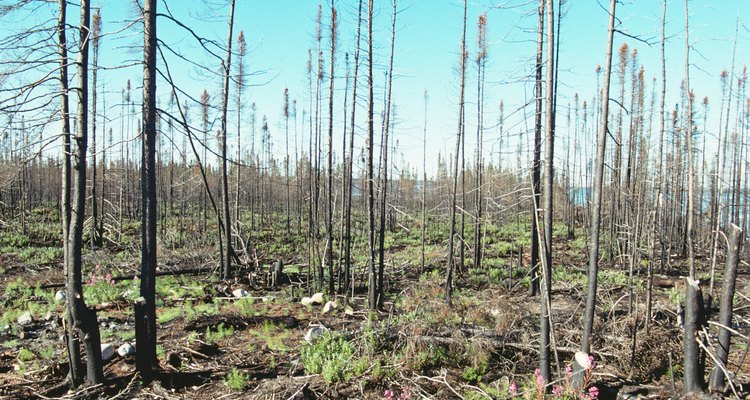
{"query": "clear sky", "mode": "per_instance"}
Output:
(280, 32)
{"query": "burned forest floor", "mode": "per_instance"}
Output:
(245, 338)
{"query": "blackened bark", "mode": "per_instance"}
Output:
(459, 136)
(330, 201)
(694, 312)
(549, 133)
(226, 272)
(588, 321)
(716, 382)
(73, 344)
(371, 292)
(536, 166)
(145, 307)
(84, 318)
(348, 229)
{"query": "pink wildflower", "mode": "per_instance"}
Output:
(513, 389)
(539, 378)
(557, 390)
(593, 392)
(388, 394)
(568, 370)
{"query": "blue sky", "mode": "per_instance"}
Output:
(280, 32)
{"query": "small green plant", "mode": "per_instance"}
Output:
(40, 255)
(25, 355)
(220, 333)
(675, 372)
(244, 306)
(236, 380)
(329, 356)
(676, 296)
(475, 374)
(47, 352)
(126, 336)
(169, 314)
(192, 337)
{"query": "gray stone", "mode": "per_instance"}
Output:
(239, 293)
(314, 333)
(317, 298)
(108, 351)
(330, 306)
(59, 296)
(25, 319)
(126, 350)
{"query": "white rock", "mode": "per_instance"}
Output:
(268, 299)
(59, 296)
(306, 301)
(330, 306)
(108, 350)
(583, 360)
(239, 293)
(25, 319)
(317, 298)
(126, 350)
(314, 333)
(349, 311)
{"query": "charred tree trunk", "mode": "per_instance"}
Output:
(348, 215)
(459, 137)
(72, 341)
(84, 318)
(384, 196)
(226, 272)
(588, 321)
(145, 307)
(537, 163)
(95, 234)
(725, 312)
(545, 329)
(330, 202)
(372, 282)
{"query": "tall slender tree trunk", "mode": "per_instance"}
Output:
(424, 184)
(348, 229)
(329, 208)
(72, 340)
(240, 79)
(287, 177)
(84, 318)
(693, 376)
(537, 163)
(479, 167)
(459, 136)
(549, 138)
(145, 307)
(94, 232)
(384, 195)
(228, 250)
(372, 282)
(588, 321)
